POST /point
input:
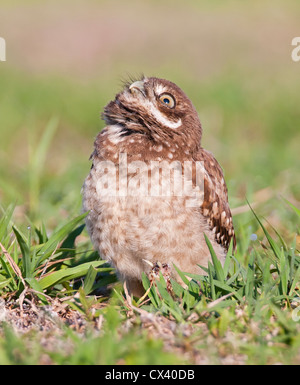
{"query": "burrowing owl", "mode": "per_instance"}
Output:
(146, 203)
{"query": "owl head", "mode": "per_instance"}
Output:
(157, 108)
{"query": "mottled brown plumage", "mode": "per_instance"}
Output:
(153, 130)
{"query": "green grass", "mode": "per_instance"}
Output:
(247, 308)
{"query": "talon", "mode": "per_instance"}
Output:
(149, 263)
(165, 269)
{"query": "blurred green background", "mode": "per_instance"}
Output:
(66, 60)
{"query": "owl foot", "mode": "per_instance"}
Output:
(165, 270)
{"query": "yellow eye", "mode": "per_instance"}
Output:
(167, 100)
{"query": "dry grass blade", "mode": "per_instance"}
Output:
(260, 197)
(130, 305)
(13, 265)
(217, 301)
(48, 264)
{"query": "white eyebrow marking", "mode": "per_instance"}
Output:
(159, 89)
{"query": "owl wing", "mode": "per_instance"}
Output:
(215, 205)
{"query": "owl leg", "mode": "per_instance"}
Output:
(165, 270)
(135, 287)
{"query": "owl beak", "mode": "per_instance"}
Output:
(137, 87)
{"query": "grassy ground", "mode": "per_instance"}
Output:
(61, 304)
